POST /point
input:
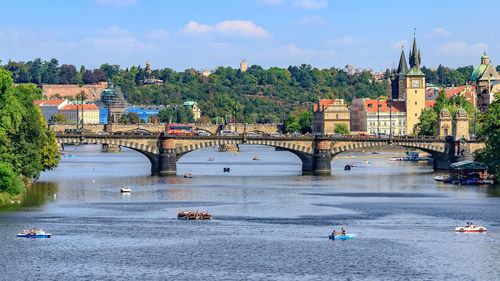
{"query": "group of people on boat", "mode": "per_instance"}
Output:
(194, 215)
(335, 233)
(470, 225)
(33, 231)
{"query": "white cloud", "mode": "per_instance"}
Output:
(310, 4)
(115, 39)
(193, 27)
(439, 31)
(270, 2)
(399, 44)
(240, 27)
(236, 28)
(157, 34)
(312, 20)
(117, 3)
(346, 40)
(297, 4)
(461, 48)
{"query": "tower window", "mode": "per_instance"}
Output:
(415, 91)
(415, 115)
(415, 103)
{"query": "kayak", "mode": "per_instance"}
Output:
(347, 236)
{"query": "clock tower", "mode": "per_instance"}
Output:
(414, 90)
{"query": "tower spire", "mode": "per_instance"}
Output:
(415, 53)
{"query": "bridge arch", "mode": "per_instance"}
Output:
(426, 147)
(149, 151)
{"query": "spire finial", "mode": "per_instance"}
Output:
(414, 31)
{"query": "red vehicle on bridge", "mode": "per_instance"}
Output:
(179, 129)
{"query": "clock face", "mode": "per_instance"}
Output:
(415, 83)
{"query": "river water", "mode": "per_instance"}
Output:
(269, 222)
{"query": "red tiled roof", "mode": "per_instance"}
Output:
(48, 102)
(325, 103)
(397, 106)
(429, 103)
(80, 107)
(457, 90)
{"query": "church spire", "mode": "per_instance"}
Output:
(415, 55)
(403, 67)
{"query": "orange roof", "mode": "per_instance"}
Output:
(80, 107)
(48, 102)
(397, 106)
(457, 90)
(325, 103)
(429, 103)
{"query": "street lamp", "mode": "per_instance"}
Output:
(378, 118)
(390, 118)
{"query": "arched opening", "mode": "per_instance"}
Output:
(249, 160)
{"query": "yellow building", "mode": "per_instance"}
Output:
(81, 113)
(327, 114)
(194, 107)
(243, 66)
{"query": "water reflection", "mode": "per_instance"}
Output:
(36, 194)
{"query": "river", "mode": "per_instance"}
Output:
(269, 222)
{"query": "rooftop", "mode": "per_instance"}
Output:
(80, 107)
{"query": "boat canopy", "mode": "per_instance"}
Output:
(468, 165)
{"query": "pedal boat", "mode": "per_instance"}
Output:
(343, 237)
(470, 229)
(36, 234)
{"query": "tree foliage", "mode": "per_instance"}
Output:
(490, 133)
(428, 119)
(292, 124)
(131, 118)
(341, 129)
(26, 148)
(305, 121)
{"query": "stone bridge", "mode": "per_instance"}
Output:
(315, 152)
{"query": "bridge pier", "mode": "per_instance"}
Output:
(322, 158)
(167, 159)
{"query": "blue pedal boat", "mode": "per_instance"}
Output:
(36, 234)
(347, 236)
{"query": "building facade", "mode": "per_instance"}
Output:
(378, 117)
(329, 113)
(194, 107)
(81, 113)
(243, 66)
(50, 107)
(487, 82)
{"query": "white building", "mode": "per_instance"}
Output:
(50, 107)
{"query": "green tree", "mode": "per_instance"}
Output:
(305, 121)
(341, 129)
(292, 124)
(58, 118)
(26, 148)
(428, 123)
(489, 132)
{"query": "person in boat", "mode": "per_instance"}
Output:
(334, 234)
(343, 231)
(471, 225)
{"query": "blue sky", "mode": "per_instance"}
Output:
(206, 34)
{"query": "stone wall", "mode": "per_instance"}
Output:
(72, 90)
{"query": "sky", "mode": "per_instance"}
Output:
(205, 34)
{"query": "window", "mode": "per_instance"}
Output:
(336, 116)
(415, 102)
(415, 91)
(370, 105)
(415, 115)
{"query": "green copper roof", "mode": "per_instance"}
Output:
(190, 103)
(414, 71)
(478, 71)
(484, 56)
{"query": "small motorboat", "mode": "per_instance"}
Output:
(188, 176)
(227, 169)
(33, 233)
(440, 178)
(186, 215)
(256, 158)
(347, 236)
(470, 228)
(211, 159)
(125, 189)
